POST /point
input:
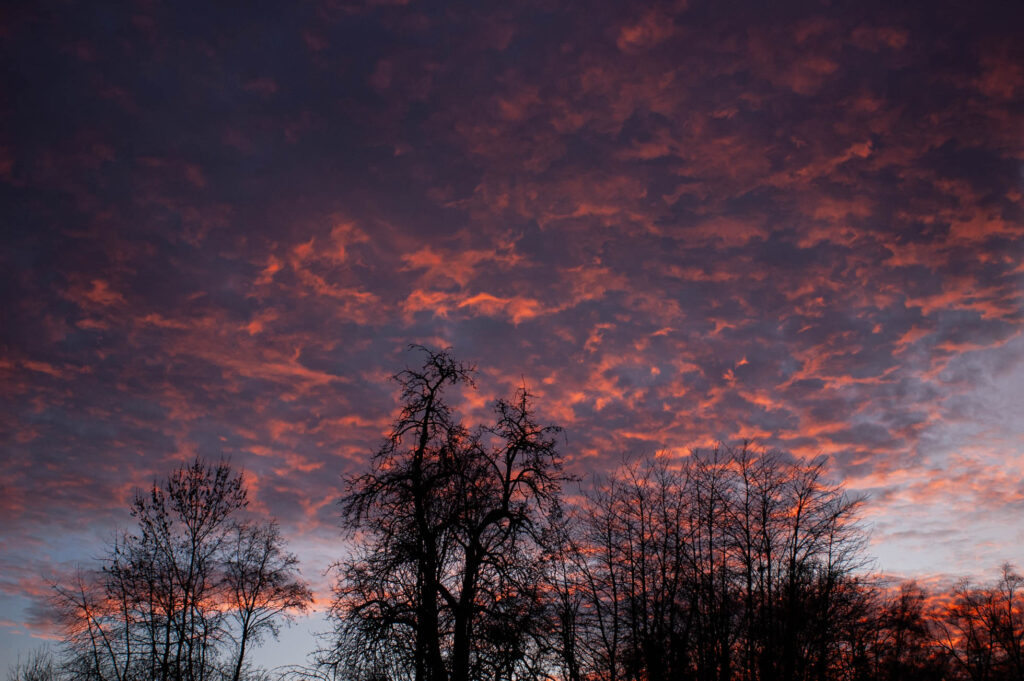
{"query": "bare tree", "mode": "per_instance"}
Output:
(261, 586)
(635, 571)
(451, 531)
(981, 629)
(905, 649)
(163, 605)
(39, 666)
(1007, 620)
(716, 566)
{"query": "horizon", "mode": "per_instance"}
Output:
(678, 224)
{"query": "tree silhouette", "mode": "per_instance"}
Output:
(720, 565)
(38, 666)
(452, 529)
(904, 648)
(259, 577)
(172, 597)
(981, 629)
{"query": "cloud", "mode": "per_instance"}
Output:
(676, 225)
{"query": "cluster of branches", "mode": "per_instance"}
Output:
(452, 529)
(187, 594)
(734, 565)
(976, 632)
(714, 566)
(724, 565)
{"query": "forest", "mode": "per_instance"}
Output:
(469, 552)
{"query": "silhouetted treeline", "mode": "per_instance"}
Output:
(721, 565)
(730, 565)
(466, 561)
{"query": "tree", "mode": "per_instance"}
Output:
(171, 598)
(39, 666)
(904, 648)
(716, 566)
(981, 629)
(451, 532)
(632, 569)
(261, 586)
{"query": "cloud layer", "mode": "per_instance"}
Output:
(678, 223)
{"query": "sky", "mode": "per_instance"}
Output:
(677, 223)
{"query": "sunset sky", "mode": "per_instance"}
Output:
(677, 223)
